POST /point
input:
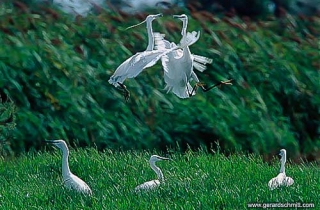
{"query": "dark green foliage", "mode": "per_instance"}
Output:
(252, 8)
(56, 71)
(7, 123)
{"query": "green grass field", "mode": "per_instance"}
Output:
(194, 180)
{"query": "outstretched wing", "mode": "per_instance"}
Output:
(134, 65)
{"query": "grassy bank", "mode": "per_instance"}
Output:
(194, 180)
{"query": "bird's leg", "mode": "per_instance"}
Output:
(125, 91)
(195, 88)
(227, 82)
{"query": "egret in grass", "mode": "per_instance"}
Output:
(134, 65)
(70, 180)
(153, 183)
(281, 179)
(178, 65)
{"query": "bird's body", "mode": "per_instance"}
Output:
(134, 65)
(281, 179)
(70, 180)
(75, 183)
(148, 185)
(153, 183)
(178, 65)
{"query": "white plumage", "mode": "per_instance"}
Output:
(281, 179)
(70, 180)
(153, 183)
(134, 65)
(178, 65)
(141, 60)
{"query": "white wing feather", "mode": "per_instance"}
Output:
(134, 65)
(177, 66)
(199, 62)
(280, 180)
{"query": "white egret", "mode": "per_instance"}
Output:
(141, 60)
(70, 180)
(153, 183)
(178, 65)
(281, 179)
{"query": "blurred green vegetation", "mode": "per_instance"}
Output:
(7, 124)
(56, 69)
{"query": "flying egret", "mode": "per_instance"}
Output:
(153, 183)
(70, 180)
(178, 65)
(281, 179)
(141, 60)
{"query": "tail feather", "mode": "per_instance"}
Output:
(202, 59)
(200, 62)
(199, 66)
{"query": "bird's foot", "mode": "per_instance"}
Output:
(227, 82)
(219, 84)
(195, 88)
(125, 91)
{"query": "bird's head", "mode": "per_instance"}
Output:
(155, 158)
(283, 153)
(182, 17)
(153, 17)
(61, 144)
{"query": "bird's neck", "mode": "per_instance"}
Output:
(158, 171)
(150, 36)
(186, 51)
(65, 164)
(184, 35)
(184, 28)
(282, 168)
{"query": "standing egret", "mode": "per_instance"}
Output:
(70, 180)
(141, 60)
(178, 65)
(281, 179)
(153, 183)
